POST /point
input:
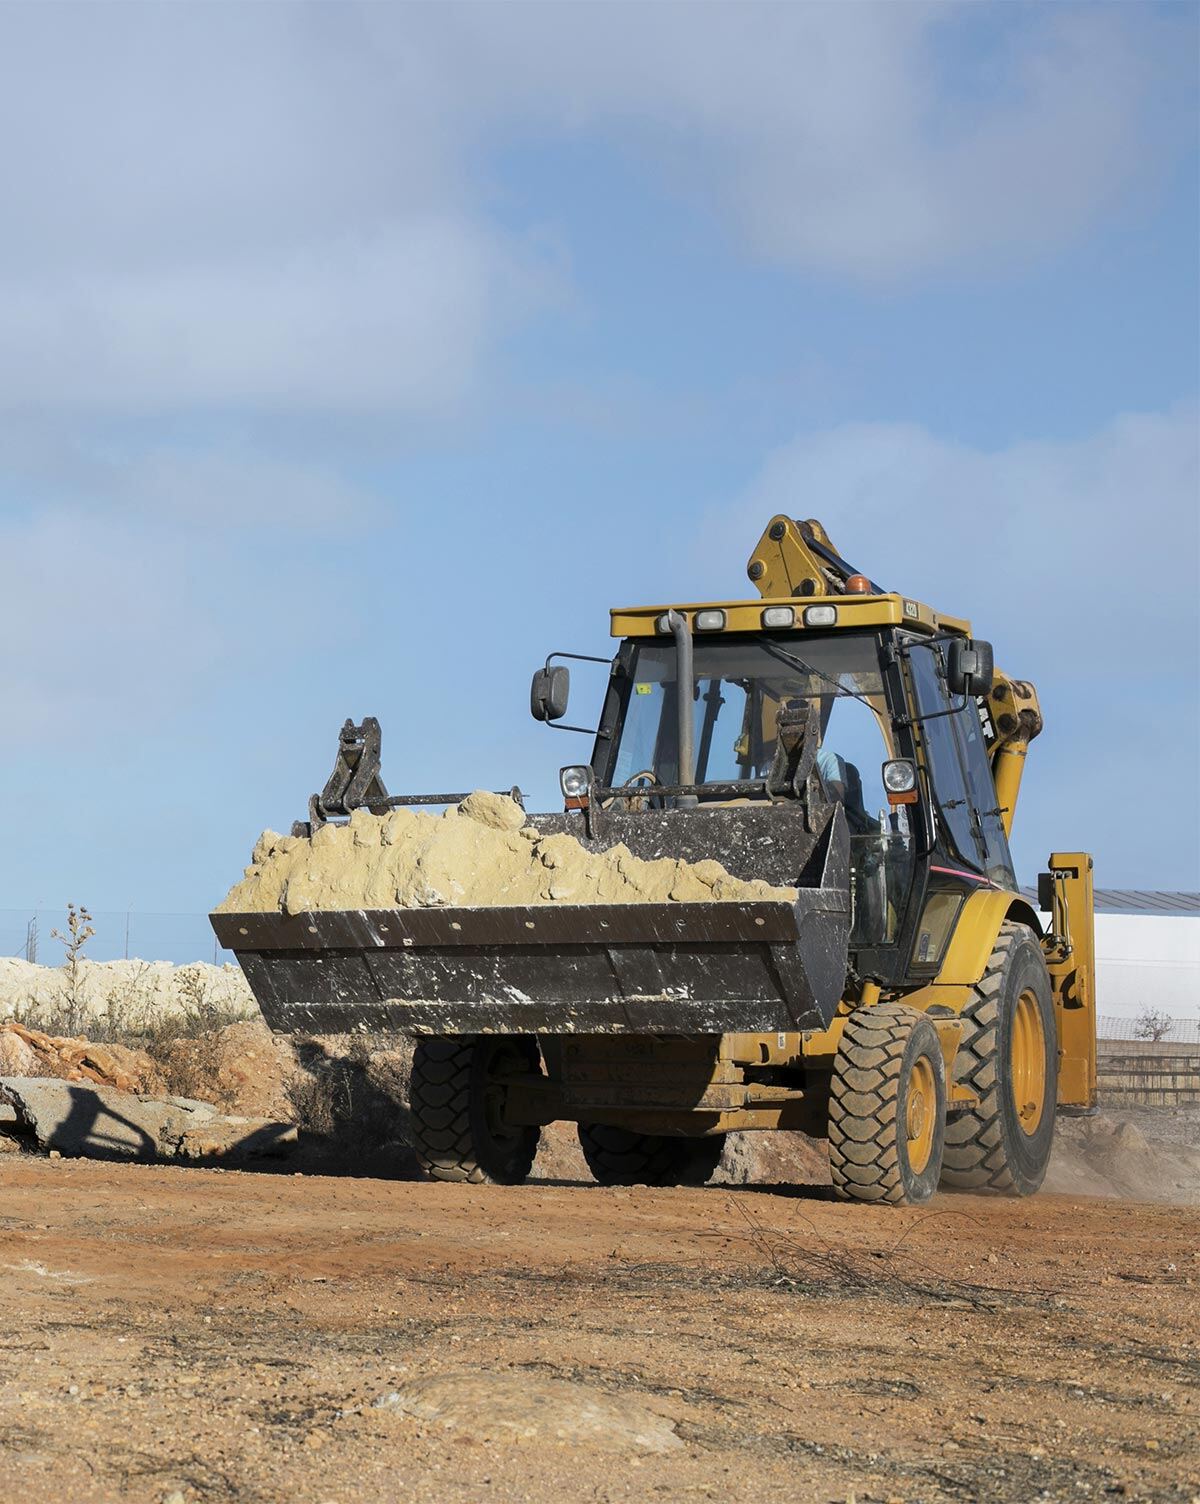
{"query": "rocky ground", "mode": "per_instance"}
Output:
(338, 1331)
(187, 1335)
(349, 1096)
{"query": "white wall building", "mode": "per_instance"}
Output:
(1147, 955)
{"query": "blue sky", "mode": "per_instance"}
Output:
(352, 358)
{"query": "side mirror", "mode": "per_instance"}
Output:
(549, 693)
(969, 667)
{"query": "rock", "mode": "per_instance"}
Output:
(491, 1407)
(559, 1156)
(496, 810)
(16, 1055)
(29, 1052)
(238, 1138)
(784, 1157)
(100, 1122)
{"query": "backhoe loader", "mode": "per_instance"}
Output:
(831, 737)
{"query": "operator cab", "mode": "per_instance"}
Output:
(903, 747)
(902, 701)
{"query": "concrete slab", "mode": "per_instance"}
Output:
(99, 1122)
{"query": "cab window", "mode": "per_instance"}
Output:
(946, 771)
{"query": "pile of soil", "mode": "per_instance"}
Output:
(133, 992)
(1109, 1156)
(478, 854)
(242, 1068)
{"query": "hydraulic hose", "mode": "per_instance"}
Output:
(685, 707)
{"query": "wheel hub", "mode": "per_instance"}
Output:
(1027, 1060)
(919, 1114)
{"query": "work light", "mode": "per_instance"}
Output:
(779, 616)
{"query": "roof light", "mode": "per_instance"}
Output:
(779, 616)
(820, 616)
(858, 584)
(709, 621)
(663, 623)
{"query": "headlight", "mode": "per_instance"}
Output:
(900, 781)
(709, 621)
(574, 781)
(779, 616)
(820, 616)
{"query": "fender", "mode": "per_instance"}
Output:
(976, 933)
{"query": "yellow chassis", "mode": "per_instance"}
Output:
(700, 1086)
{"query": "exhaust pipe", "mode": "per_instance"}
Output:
(684, 703)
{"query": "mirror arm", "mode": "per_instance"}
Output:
(576, 658)
(932, 715)
(583, 730)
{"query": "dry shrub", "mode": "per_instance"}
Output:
(350, 1094)
(131, 1015)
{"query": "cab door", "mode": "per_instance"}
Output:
(968, 817)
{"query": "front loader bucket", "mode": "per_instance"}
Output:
(645, 968)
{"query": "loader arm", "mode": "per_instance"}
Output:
(1016, 720)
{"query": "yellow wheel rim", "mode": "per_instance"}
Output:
(920, 1114)
(1027, 1061)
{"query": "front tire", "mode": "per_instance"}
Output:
(887, 1107)
(456, 1102)
(619, 1156)
(1009, 1057)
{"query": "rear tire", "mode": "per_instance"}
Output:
(1009, 1057)
(619, 1156)
(887, 1107)
(456, 1102)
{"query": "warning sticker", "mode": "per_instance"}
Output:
(642, 689)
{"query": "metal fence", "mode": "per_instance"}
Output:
(1133, 1037)
(1133, 1068)
(1163, 1079)
(118, 933)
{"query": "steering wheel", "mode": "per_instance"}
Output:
(649, 777)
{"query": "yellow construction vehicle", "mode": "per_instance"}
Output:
(831, 736)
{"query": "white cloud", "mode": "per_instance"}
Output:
(871, 140)
(240, 207)
(1078, 560)
(1013, 534)
(280, 206)
(395, 321)
(154, 580)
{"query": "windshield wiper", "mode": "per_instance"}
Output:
(781, 653)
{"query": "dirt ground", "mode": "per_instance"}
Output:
(180, 1335)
